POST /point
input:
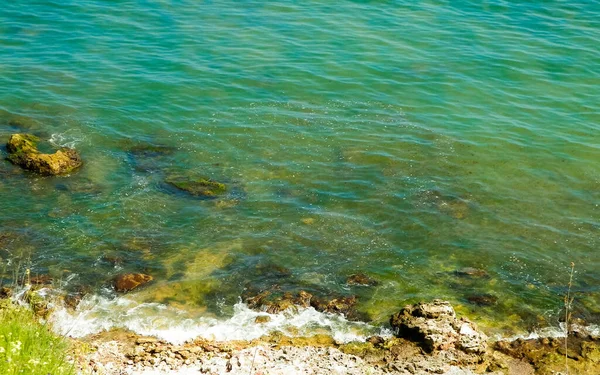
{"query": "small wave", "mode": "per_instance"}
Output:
(96, 313)
(67, 139)
(555, 332)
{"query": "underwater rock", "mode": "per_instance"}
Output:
(129, 281)
(148, 157)
(272, 270)
(450, 205)
(471, 272)
(23, 151)
(435, 327)
(482, 299)
(361, 279)
(196, 186)
(80, 186)
(227, 203)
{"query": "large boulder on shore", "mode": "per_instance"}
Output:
(22, 151)
(435, 327)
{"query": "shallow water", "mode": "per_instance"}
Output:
(404, 141)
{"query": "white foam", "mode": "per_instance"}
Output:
(95, 314)
(69, 139)
(555, 332)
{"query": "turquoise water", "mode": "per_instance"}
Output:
(404, 141)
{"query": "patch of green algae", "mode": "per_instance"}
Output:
(193, 269)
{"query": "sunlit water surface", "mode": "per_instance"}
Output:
(403, 141)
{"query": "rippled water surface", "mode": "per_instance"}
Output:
(406, 141)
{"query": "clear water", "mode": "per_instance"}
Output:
(398, 139)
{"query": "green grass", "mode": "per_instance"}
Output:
(28, 346)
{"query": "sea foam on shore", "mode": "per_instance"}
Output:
(95, 314)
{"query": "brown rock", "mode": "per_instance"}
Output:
(341, 305)
(376, 340)
(273, 303)
(41, 280)
(129, 281)
(5, 292)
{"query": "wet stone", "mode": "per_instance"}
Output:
(41, 280)
(274, 303)
(130, 281)
(261, 319)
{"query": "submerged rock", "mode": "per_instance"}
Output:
(23, 151)
(482, 299)
(471, 272)
(435, 327)
(196, 186)
(451, 205)
(129, 281)
(148, 157)
(361, 279)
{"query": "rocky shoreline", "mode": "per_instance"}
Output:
(429, 339)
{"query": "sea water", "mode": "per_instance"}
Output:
(444, 149)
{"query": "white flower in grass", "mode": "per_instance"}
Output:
(2, 350)
(16, 346)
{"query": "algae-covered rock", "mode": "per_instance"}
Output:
(196, 186)
(23, 151)
(129, 281)
(548, 355)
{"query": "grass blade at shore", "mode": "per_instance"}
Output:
(29, 347)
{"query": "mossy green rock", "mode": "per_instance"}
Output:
(23, 151)
(197, 186)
